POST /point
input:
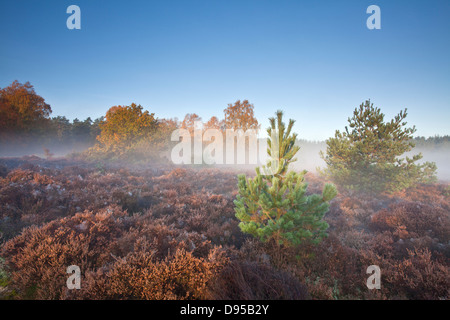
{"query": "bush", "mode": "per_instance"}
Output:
(414, 220)
(366, 156)
(181, 276)
(419, 276)
(243, 280)
(38, 258)
(275, 205)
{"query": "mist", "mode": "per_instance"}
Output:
(308, 157)
(441, 156)
(43, 150)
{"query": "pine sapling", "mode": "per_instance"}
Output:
(274, 204)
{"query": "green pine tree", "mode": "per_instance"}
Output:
(274, 205)
(367, 157)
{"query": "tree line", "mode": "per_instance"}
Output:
(25, 121)
(366, 155)
(124, 131)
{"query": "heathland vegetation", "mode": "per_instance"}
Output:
(140, 227)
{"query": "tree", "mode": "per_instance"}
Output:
(366, 157)
(22, 110)
(274, 205)
(132, 134)
(160, 142)
(124, 127)
(60, 126)
(189, 122)
(240, 115)
(213, 123)
(81, 130)
(95, 128)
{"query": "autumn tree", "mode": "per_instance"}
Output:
(167, 126)
(367, 156)
(213, 123)
(22, 111)
(240, 115)
(189, 122)
(124, 127)
(160, 142)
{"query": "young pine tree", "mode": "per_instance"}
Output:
(274, 205)
(367, 157)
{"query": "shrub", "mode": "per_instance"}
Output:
(366, 156)
(414, 220)
(38, 258)
(245, 280)
(181, 276)
(419, 276)
(275, 205)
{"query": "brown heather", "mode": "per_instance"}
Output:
(171, 233)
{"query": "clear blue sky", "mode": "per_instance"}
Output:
(316, 60)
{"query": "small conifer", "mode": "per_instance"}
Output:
(274, 205)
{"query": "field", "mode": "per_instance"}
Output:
(170, 232)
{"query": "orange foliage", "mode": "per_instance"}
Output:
(240, 115)
(21, 107)
(125, 126)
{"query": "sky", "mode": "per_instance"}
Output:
(315, 60)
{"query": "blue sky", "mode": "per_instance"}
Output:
(316, 60)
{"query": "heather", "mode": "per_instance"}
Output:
(170, 232)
